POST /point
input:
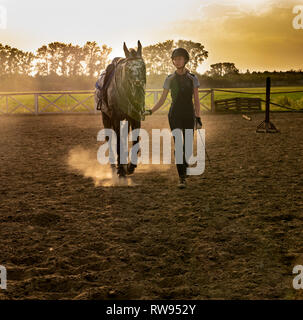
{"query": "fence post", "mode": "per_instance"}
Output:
(36, 104)
(267, 106)
(212, 100)
(266, 125)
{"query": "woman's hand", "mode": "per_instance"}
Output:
(148, 112)
(160, 102)
(198, 123)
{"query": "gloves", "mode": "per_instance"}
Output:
(147, 112)
(198, 123)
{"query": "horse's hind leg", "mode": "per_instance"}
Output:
(134, 156)
(108, 125)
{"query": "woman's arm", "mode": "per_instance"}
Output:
(197, 102)
(161, 101)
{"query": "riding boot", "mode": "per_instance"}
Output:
(182, 183)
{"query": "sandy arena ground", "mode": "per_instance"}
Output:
(234, 233)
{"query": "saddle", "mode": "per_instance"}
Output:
(103, 83)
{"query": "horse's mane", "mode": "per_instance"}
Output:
(133, 53)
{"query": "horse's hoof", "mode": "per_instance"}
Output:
(131, 168)
(123, 181)
(121, 172)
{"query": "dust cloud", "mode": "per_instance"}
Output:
(84, 162)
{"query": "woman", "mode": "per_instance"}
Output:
(183, 114)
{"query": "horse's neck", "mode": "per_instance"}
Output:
(118, 60)
(120, 81)
(119, 67)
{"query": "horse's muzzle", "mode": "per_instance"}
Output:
(139, 83)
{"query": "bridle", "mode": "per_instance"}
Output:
(124, 96)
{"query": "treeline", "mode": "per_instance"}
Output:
(56, 66)
(255, 79)
(239, 80)
(60, 66)
(227, 75)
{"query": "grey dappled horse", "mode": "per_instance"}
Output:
(126, 99)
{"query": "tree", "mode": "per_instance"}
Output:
(26, 60)
(158, 57)
(77, 56)
(96, 58)
(54, 57)
(196, 52)
(3, 59)
(230, 68)
(65, 52)
(221, 69)
(72, 60)
(42, 65)
(14, 61)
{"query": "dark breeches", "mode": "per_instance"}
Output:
(182, 123)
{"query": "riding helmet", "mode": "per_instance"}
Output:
(180, 52)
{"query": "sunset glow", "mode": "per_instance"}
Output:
(251, 34)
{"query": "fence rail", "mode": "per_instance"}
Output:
(49, 102)
(40, 102)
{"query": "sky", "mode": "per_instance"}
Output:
(254, 34)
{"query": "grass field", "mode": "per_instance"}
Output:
(69, 103)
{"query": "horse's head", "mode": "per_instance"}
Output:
(134, 75)
(135, 70)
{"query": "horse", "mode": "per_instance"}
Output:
(125, 100)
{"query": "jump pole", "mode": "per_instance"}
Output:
(267, 126)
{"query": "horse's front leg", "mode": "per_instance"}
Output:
(121, 167)
(108, 125)
(134, 156)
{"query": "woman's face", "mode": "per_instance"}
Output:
(179, 62)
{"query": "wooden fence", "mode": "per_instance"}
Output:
(238, 104)
(49, 102)
(42, 102)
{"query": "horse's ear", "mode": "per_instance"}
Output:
(139, 50)
(125, 50)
